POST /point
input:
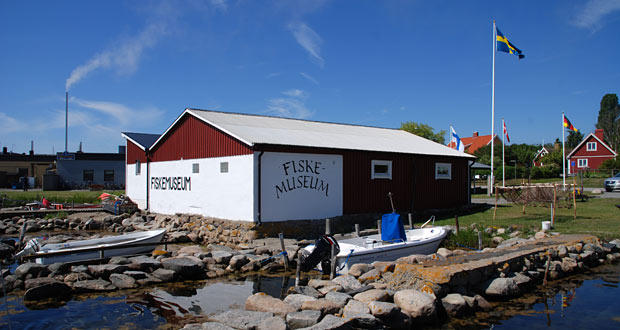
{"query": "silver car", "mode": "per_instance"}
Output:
(613, 183)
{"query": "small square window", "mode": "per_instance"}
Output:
(381, 169)
(88, 175)
(591, 146)
(443, 171)
(582, 163)
(108, 175)
(195, 168)
(138, 169)
(224, 167)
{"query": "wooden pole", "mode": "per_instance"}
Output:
(357, 230)
(298, 269)
(456, 222)
(495, 210)
(410, 216)
(547, 269)
(575, 197)
(328, 230)
(281, 237)
(479, 240)
(332, 272)
(379, 226)
(555, 197)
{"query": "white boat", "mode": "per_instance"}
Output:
(367, 249)
(90, 249)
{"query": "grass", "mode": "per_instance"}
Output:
(587, 182)
(66, 196)
(597, 216)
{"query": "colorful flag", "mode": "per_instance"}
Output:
(568, 125)
(455, 140)
(506, 133)
(503, 45)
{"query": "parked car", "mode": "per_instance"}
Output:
(613, 183)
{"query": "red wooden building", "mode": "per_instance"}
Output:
(259, 168)
(590, 153)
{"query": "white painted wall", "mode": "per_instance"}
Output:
(209, 192)
(300, 186)
(135, 185)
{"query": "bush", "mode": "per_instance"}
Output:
(467, 239)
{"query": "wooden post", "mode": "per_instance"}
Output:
(328, 230)
(456, 222)
(332, 272)
(101, 254)
(495, 210)
(379, 226)
(298, 269)
(555, 196)
(281, 236)
(410, 220)
(547, 269)
(357, 230)
(479, 240)
(575, 197)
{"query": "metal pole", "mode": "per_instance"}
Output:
(298, 269)
(479, 240)
(410, 220)
(379, 226)
(328, 230)
(357, 229)
(332, 272)
(563, 154)
(66, 120)
(493, 103)
(503, 155)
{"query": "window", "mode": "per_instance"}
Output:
(138, 167)
(381, 169)
(88, 175)
(195, 168)
(582, 163)
(443, 171)
(591, 146)
(108, 175)
(224, 167)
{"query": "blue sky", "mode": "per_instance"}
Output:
(135, 65)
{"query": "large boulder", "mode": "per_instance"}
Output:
(355, 307)
(455, 305)
(262, 302)
(358, 269)
(221, 257)
(54, 289)
(372, 295)
(123, 281)
(187, 267)
(104, 271)
(272, 323)
(166, 275)
(348, 283)
(93, 286)
(323, 305)
(340, 298)
(296, 300)
(303, 319)
(143, 263)
(241, 319)
(305, 290)
(419, 305)
(382, 309)
(238, 261)
(500, 288)
(35, 282)
(29, 268)
(331, 322)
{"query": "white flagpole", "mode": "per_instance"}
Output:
(563, 155)
(503, 155)
(493, 106)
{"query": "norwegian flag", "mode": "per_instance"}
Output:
(506, 133)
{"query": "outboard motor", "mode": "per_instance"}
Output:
(321, 254)
(31, 247)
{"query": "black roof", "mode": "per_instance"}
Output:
(145, 140)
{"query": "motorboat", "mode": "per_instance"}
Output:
(394, 242)
(134, 243)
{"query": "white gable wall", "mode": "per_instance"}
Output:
(135, 184)
(175, 189)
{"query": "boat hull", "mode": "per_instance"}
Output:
(90, 249)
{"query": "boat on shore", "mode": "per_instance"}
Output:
(394, 242)
(135, 243)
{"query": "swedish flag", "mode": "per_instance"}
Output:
(504, 45)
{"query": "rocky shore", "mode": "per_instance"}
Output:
(411, 291)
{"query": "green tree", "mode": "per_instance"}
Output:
(609, 120)
(424, 131)
(573, 139)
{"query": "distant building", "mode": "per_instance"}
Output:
(14, 166)
(590, 153)
(538, 162)
(266, 169)
(476, 142)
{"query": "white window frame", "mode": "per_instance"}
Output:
(591, 146)
(443, 176)
(582, 163)
(375, 175)
(138, 167)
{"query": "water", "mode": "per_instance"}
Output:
(588, 301)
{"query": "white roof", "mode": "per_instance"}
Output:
(255, 129)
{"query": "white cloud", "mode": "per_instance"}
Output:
(9, 124)
(121, 113)
(309, 78)
(593, 11)
(295, 93)
(273, 75)
(309, 40)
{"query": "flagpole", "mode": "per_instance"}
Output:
(493, 106)
(503, 154)
(563, 155)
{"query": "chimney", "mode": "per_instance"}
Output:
(475, 134)
(5, 150)
(31, 148)
(599, 134)
(122, 149)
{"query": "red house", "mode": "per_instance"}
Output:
(476, 142)
(590, 153)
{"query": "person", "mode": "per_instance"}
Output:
(24, 182)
